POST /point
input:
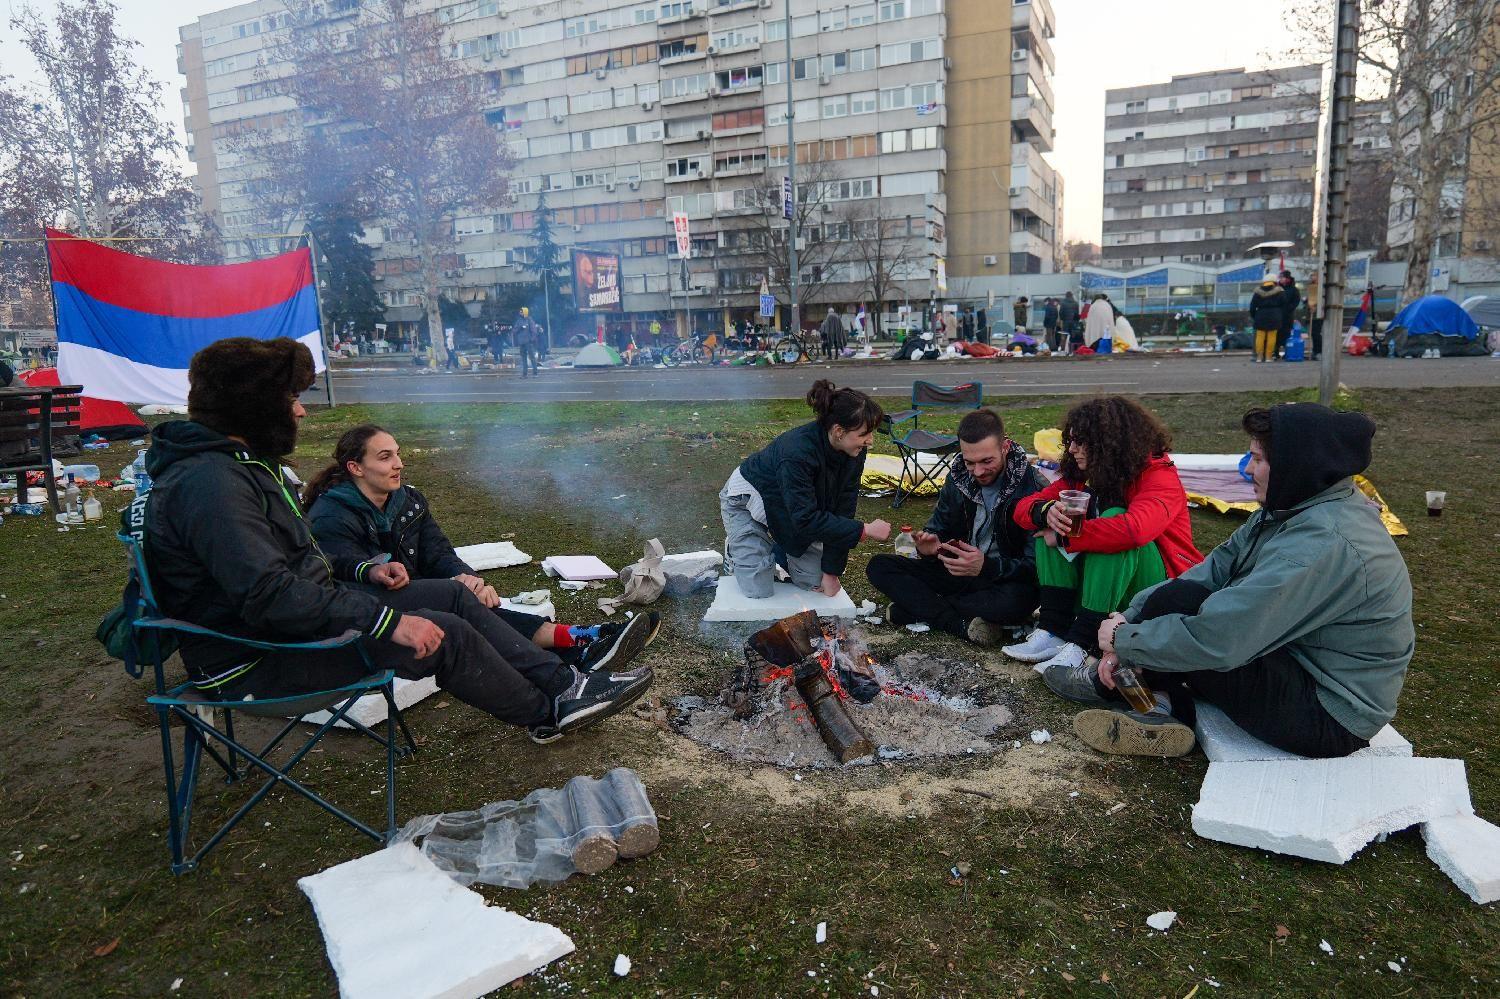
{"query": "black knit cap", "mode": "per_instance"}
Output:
(243, 387)
(1313, 447)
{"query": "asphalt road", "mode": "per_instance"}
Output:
(1034, 376)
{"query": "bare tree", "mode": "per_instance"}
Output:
(393, 97)
(820, 254)
(89, 145)
(882, 253)
(1436, 66)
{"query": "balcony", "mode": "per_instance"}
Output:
(678, 60)
(727, 133)
(1030, 201)
(695, 175)
(734, 5)
(691, 15)
(748, 88)
(1033, 119)
(675, 140)
(1036, 15)
(699, 95)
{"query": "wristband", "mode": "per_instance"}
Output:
(1115, 631)
(1040, 515)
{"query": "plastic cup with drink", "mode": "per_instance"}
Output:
(1436, 500)
(1074, 503)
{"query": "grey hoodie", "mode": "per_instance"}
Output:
(1316, 574)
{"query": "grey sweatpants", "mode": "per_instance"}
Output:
(751, 552)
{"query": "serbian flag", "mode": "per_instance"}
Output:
(127, 326)
(1366, 305)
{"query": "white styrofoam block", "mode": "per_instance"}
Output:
(396, 925)
(692, 564)
(731, 604)
(545, 609)
(1467, 849)
(370, 709)
(1225, 742)
(492, 555)
(1325, 809)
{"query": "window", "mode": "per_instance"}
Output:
(677, 9)
(861, 14)
(833, 20)
(924, 138)
(893, 142)
(474, 225)
(904, 52)
(748, 118)
(861, 60)
(686, 166)
(775, 73)
(836, 107)
(687, 128)
(866, 102)
(775, 30)
(892, 10)
(683, 86)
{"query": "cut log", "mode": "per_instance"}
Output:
(844, 738)
(788, 641)
(638, 834)
(594, 848)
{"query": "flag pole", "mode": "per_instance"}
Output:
(312, 254)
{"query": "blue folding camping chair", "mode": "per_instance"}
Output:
(195, 709)
(913, 443)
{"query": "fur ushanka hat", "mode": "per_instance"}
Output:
(243, 387)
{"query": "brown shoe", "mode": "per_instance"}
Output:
(1130, 733)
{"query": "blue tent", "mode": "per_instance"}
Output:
(1435, 314)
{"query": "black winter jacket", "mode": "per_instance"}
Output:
(1266, 307)
(810, 490)
(347, 528)
(227, 548)
(1012, 553)
(1068, 311)
(1291, 297)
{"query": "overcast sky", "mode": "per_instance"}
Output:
(1100, 44)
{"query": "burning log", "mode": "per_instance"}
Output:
(843, 738)
(792, 643)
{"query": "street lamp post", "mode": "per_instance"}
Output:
(791, 160)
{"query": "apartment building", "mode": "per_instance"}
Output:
(1203, 167)
(633, 111)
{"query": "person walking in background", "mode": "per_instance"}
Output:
(452, 352)
(950, 327)
(830, 332)
(1050, 317)
(1266, 313)
(1291, 298)
(1067, 318)
(523, 334)
(1020, 311)
(982, 325)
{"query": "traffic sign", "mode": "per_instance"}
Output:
(767, 306)
(786, 197)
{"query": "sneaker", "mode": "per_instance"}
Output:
(1076, 683)
(1123, 732)
(613, 652)
(596, 696)
(1039, 646)
(1068, 656)
(896, 616)
(982, 632)
(543, 735)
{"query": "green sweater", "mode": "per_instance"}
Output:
(1324, 581)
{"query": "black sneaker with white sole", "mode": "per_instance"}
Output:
(601, 694)
(614, 652)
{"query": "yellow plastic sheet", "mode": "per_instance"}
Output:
(883, 471)
(1048, 444)
(1392, 523)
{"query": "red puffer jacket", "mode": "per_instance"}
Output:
(1155, 510)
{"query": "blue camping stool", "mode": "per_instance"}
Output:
(912, 442)
(195, 709)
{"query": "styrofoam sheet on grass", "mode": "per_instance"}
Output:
(1222, 741)
(492, 555)
(1325, 809)
(577, 567)
(1467, 849)
(371, 710)
(395, 925)
(731, 604)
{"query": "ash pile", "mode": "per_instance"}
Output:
(810, 694)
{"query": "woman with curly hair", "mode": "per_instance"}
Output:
(1136, 533)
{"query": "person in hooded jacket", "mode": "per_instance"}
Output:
(1267, 309)
(792, 502)
(1299, 627)
(228, 548)
(1137, 531)
(976, 574)
(1291, 297)
(360, 507)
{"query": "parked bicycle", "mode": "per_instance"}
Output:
(699, 349)
(791, 349)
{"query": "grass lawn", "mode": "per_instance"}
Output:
(1061, 879)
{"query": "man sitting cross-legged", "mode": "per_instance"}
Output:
(1298, 627)
(228, 549)
(977, 571)
(361, 511)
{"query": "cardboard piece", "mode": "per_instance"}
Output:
(396, 925)
(1325, 809)
(492, 555)
(731, 604)
(1223, 741)
(577, 567)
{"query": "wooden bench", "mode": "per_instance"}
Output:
(36, 423)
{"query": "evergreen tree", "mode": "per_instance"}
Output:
(346, 270)
(546, 263)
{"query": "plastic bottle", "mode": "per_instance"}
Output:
(906, 544)
(142, 479)
(92, 508)
(71, 500)
(84, 473)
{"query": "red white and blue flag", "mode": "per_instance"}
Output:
(127, 326)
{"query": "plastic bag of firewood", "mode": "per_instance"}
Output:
(549, 835)
(645, 580)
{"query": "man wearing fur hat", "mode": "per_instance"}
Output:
(228, 549)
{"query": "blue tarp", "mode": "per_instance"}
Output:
(1436, 314)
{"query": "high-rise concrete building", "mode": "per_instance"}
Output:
(1204, 167)
(930, 115)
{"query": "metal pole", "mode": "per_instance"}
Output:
(1336, 194)
(791, 168)
(312, 253)
(547, 310)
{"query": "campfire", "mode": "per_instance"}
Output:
(808, 692)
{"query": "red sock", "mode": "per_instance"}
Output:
(562, 636)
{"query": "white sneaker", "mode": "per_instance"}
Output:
(1039, 645)
(1068, 656)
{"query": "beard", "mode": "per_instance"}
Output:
(273, 437)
